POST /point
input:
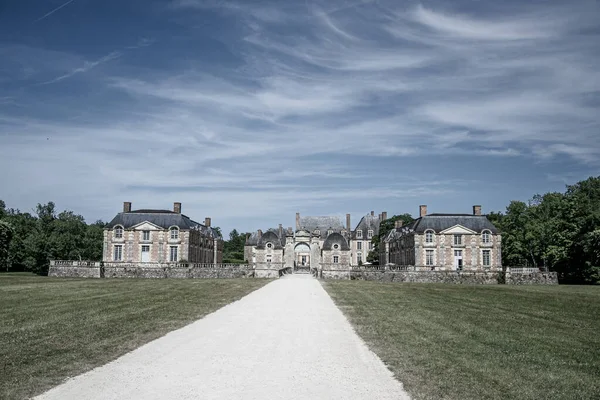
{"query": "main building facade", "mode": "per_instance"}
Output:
(160, 236)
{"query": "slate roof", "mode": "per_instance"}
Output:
(440, 222)
(322, 224)
(335, 238)
(367, 223)
(163, 218)
(270, 235)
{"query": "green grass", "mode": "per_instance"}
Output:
(52, 328)
(480, 342)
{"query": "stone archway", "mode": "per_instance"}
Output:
(302, 257)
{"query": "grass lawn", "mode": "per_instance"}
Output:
(52, 328)
(480, 342)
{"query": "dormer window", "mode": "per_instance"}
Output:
(429, 236)
(269, 245)
(369, 234)
(329, 232)
(317, 232)
(359, 234)
(174, 233)
(486, 236)
(457, 240)
(118, 232)
(336, 246)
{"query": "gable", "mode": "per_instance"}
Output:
(146, 226)
(458, 230)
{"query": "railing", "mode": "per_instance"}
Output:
(175, 265)
(71, 263)
(523, 270)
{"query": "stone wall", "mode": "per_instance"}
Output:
(74, 271)
(136, 271)
(533, 278)
(460, 277)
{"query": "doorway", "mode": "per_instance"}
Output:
(458, 260)
(145, 253)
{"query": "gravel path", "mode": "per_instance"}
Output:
(286, 340)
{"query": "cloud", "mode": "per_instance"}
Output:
(335, 106)
(521, 27)
(53, 11)
(88, 65)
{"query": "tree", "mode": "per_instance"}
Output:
(385, 227)
(6, 235)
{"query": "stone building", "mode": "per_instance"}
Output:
(160, 236)
(362, 236)
(317, 243)
(444, 242)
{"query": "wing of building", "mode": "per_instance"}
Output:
(160, 236)
(316, 242)
(444, 242)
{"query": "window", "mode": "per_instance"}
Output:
(429, 257)
(118, 253)
(145, 235)
(486, 237)
(457, 240)
(429, 237)
(269, 245)
(336, 259)
(370, 245)
(359, 245)
(486, 258)
(336, 246)
(369, 234)
(268, 259)
(359, 257)
(174, 233)
(173, 254)
(359, 234)
(318, 232)
(119, 232)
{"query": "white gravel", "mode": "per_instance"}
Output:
(286, 340)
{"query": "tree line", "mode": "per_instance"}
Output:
(28, 241)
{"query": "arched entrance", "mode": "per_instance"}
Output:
(302, 258)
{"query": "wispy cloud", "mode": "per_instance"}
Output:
(54, 10)
(325, 106)
(88, 65)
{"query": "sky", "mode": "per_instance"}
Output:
(248, 112)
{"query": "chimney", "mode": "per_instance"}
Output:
(297, 221)
(384, 216)
(280, 231)
(422, 210)
(126, 206)
(348, 227)
(372, 213)
(476, 210)
(207, 222)
(177, 208)
(398, 223)
(259, 235)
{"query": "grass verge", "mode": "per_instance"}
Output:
(52, 328)
(480, 342)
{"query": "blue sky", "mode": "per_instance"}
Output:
(248, 112)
